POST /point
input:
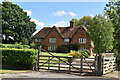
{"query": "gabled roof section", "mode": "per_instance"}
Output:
(65, 32)
(42, 33)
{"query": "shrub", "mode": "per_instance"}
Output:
(85, 53)
(18, 46)
(19, 57)
(75, 54)
(32, 45)
(62, 49)
(67, 48)
(74, 47)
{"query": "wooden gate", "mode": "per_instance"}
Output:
(70, 64)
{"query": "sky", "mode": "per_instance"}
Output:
(47, 14)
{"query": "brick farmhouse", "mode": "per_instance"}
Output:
(51, 37)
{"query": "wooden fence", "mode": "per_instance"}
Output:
(98, 65)
(108, 62)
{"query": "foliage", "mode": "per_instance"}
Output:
(16, 24)
(75, 53)
(21, 57)
(18, 46)
(112, 10)
(87, 21)
(74, 47)
(66, 48)
(32, 45)
(101, 33)
(118, 61)
(62, 49)
(85, 53)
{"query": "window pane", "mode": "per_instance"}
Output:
(38, 40)
(52, 40)
(51, 47)
(66, 40)
(82, 40)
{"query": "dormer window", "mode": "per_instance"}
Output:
(52, 40)
(38, 40)
(67, 40)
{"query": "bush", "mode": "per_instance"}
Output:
(74, 47)
(75, 53)
(32, 45)
(67, 48)
(18, 46)
(62, 49)
(23, 58)
(85, 53)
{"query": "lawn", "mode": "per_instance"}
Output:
(2, 71)
(54, 60)
(55, 54)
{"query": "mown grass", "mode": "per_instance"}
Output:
(54, 60)
(3, 71)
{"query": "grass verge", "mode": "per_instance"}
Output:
(3, 71)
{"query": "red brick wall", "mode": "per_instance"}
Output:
(81, 34)
(53, 34)
(60, 41)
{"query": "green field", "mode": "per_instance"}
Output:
(55, 54)
(54, 60)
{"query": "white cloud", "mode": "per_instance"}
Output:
(59, 13)
(28, 12)
(62, 13)
(38, 23)
(60, 24)
(72, 14)
(92, 16)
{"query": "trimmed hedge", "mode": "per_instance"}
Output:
(18, 58)
(18, 46)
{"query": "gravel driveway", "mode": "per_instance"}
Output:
(48, 75)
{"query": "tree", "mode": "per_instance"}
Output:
(101, 33)
(87, 21)
(16, 24)
(112, 10)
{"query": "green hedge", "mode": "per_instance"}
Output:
(18, 46)
(19, 57)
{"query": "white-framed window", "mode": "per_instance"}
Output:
(38, 39)
(52, 40)
(51, 47)
(82, 48)
(66, 40)
(82, 40)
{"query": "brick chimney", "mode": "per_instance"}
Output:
(71, 24)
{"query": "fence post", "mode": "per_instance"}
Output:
(98, 65)
(81, 64)
(69, 61)
(48, 63)
(59, 64)
(39, 50)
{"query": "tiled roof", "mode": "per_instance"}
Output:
(65, 32)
